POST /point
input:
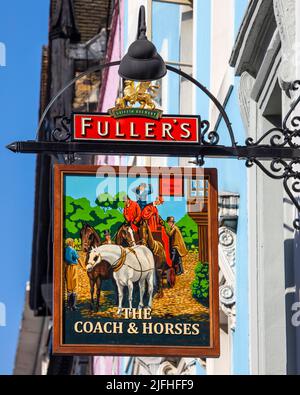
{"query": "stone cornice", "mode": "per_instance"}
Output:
(284, 11)
(245, 89)
(254, 37)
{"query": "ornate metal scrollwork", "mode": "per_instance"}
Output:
(282, 169)
(63, 132)
(208, 137)
(285, 136)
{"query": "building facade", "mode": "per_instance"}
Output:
(266, 58)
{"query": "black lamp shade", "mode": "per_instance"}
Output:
(142, 62)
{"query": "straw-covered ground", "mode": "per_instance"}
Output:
(177, 302)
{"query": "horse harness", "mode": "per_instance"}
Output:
(121, 261)
(117, 265)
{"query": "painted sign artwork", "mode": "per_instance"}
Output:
(135, 261)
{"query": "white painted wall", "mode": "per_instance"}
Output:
(133, 12)
(222, 39)
(297, 44)
(222, 365)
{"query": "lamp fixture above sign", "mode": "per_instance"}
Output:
(142, 61)
(136, 126)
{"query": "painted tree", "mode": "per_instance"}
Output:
(106, 215)
(189, 230)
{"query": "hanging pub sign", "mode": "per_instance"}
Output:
(136, 266)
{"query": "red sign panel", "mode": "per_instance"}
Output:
(171, 186)
(168, 129)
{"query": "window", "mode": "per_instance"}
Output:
(199, 188)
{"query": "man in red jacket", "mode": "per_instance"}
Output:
(156, 224)
(132, 213)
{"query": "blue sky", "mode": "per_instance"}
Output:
(23, 30)
(90, 187)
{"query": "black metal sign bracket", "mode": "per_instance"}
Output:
(276, 153)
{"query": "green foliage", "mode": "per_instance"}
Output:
(69, 207)
(112, 221)
(120, 197)
(107, 215)
(200, 285)
(81, 215)
(194, 249)
(71, 229)
(77, 244)
(107, 201)
(189, 231)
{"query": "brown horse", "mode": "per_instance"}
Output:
(103, 271)
(125, 236)
(158, 251)
(89, 238)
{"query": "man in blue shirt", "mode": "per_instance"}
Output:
(141, 193)
(72, 260)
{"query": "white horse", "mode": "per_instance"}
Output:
(130, 265)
